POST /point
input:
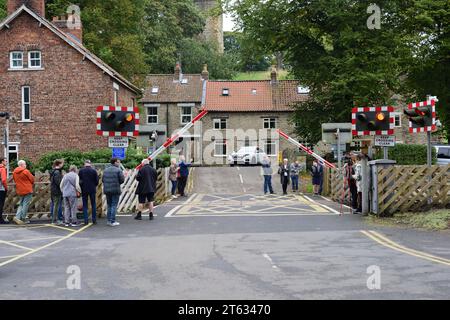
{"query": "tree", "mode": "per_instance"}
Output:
(2, 9)
(331, 49)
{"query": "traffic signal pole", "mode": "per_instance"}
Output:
(174, 138)
(307, 150)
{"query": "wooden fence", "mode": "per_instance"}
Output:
(40, 204)
(335, 187)
(413, 188)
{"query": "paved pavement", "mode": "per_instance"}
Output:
(224, 242)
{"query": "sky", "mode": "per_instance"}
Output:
(228, 24)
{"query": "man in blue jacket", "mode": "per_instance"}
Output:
(184, 174)
(112, 179)
(89, 182)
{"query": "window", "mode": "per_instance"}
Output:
(13, 153)
(152, 114)
(116, 98)
(303, 90)
(254, 91)
(186, 114)
(155, 90)
(270, 147)
(225, 92)
(16, 60)
(26, 110)
(220, 124)
(34, 59)
(184, 81)
(270, 123)
(443, 153)
(398, 119)
(220, 148)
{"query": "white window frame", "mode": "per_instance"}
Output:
(268, 121)
(30, 59)
(186, 105)
(11, 60)
(221, 142)
(24, 103)
(155, 90)
(273, 143)
(116, 98)
(225, 92)
(399, 115)
(218, 121)
(147, 106)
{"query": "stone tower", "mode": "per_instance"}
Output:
(214, 23)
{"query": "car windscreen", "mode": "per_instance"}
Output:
(443, 153)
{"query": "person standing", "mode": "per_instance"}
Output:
(267, 173)
(112, 179)
(317, 174)
(173, 176)
(284, 172)
(358, 178)
(24, 188)
(349, 171)
(88, 182)
(147, 177)
(3, 188)
(295, 175)
(184, 174)
(56, 195)
(71, 191)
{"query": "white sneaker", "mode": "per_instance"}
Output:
(174, 197)
(115, 224)
(109, 224)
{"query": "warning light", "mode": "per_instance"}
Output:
(129, 117)
(381, 116)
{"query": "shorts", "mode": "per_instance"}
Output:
(146, 197)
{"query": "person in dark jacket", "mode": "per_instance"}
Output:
(317, 176)
(89, 181)
(285, 174)
(56, 177)
(184, 174)
(146, 188)
(112, 179)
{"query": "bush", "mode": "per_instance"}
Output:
(408, 154)
(133, 159)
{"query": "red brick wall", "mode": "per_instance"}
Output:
(64, 96)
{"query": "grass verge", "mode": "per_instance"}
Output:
(433, 220)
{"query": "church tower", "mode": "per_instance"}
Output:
(214, 22)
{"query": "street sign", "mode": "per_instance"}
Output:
(385, 141)
(330, 133)
(118, 142)
(119, 153)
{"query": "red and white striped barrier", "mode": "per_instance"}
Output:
(135, 111)
(307, 150)
(378, 132)
(174, 138)
(423, 104)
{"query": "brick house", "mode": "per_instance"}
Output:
(169, 103)
(51, 84)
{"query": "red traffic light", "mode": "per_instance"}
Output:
(381, 116)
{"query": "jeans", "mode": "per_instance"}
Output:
(113, 201)
(174, 187)
(92, 197)
(56, 206)
(268, 184)
(70, 210)
(354, 193)
(294, 183)
(23, 206)
(182, 185)
(2, 203)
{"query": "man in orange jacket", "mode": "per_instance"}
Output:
(3, 187)
(24, 188)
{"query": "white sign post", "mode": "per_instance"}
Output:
(118, 142)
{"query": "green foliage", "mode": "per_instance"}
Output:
(2, 9)
(133, 159)
(433, 220)
(408, 154)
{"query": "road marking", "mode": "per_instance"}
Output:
(324, 206)
(190, 198)
(238, 169)
(35, 239)
(59, 227)
(384, 241)
(171, 212)
(7, 257)
(326, 199)
(265, 255)
(46, 246)
(15, 245)
(191, 215)
(242, 179)
(22, 228)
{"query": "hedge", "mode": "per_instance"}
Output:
(408, 154)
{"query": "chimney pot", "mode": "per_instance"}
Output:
(205, 72)
(274, 75)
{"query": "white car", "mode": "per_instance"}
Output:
(247, 156)
(443, 154)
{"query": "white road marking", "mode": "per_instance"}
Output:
(242, 179)
(15, 245)
(171, 212)
(322, 205)
(239, 169)
(8, 257)
(249, 214)
(190, 198)
(265, 255)
(326, 199)
(35, 239)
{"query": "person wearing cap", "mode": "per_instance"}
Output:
(89, 182)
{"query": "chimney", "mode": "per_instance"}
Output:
(71, 25)
(205, 72)
(274, 75)
(178, 74)
(38, 6)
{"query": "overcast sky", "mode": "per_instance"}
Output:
(228, 24)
